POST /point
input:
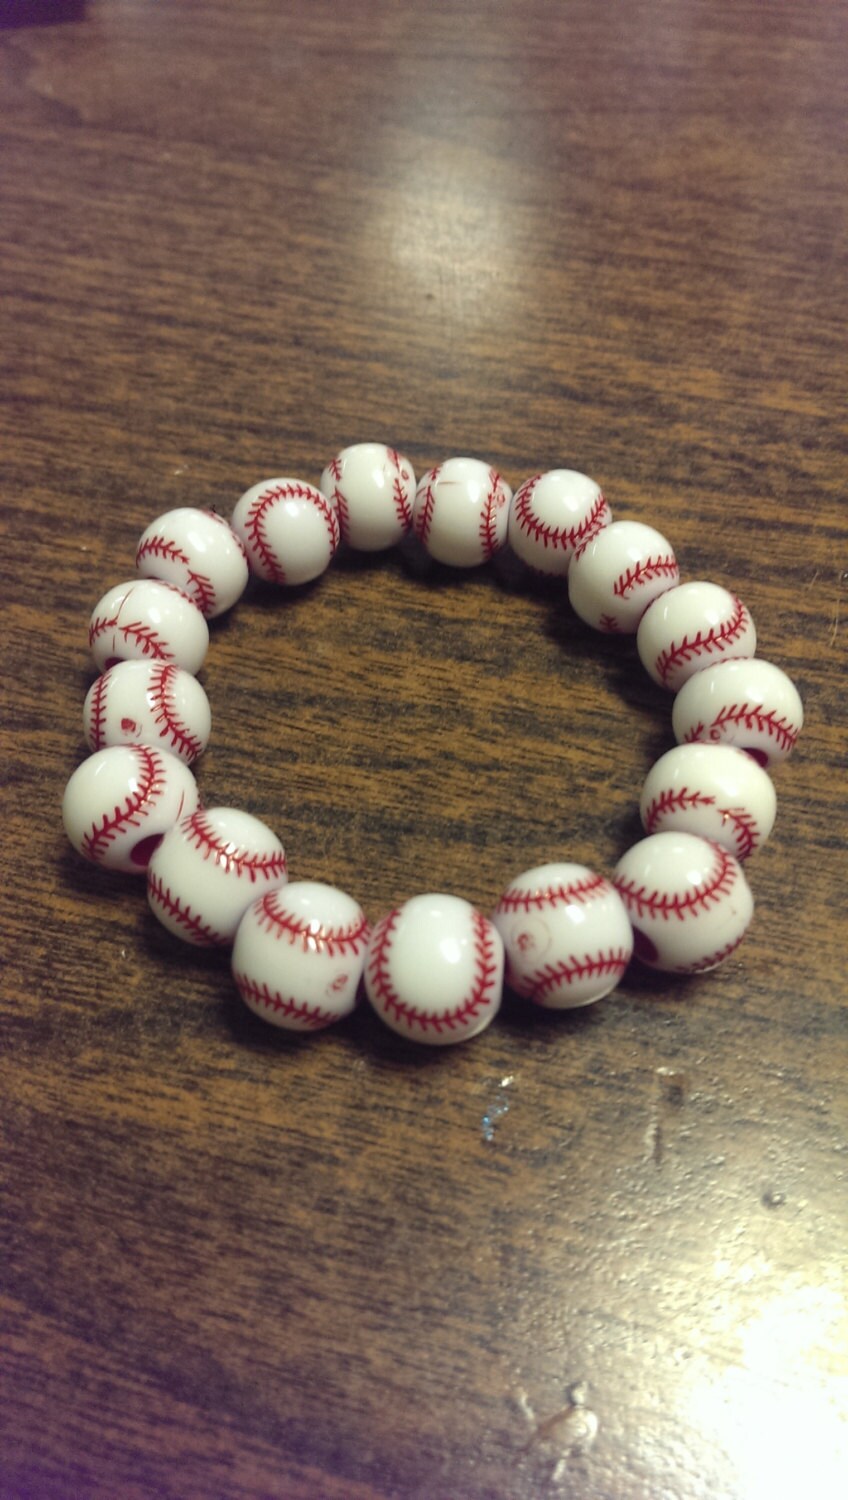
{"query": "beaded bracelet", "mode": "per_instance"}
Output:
(434, 968)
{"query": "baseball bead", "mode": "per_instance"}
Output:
(692, 627)
(713, 790)
(121, 801)
(145, 618)
(289, 529)
(566, 935)
(688, 902)
(148, 703)
(372, 488)
(299, 954)
(751, 704)
(199, 553)
(208, 869)
(615, 576)
(434, 970)
(554, 514)
(461, 512)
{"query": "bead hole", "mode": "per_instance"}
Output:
(141, 853)
(643, 947)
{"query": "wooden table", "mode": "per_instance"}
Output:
(598, 1254)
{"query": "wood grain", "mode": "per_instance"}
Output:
(601, 1254)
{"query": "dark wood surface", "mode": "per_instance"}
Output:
(601, 1255)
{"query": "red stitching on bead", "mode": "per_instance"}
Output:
(710, 963)
(331, 520)
(714, 639)
(609, 623)
(745, 830)
(343, 513)
(403, 509)
(254, 523)
(699, 898)
(484, 971)
(400, 463)
(97, 712)
(378, 967)
(151, 644)
(646, 572)
(486, 966)
(204, 935)
(525, 491)
(335, 468)
(162, 547)
(128, 815)
(595, 522)
(254, 526)
(144, 635)
(579, 891)
(674, 801)
(313, 1015)
(164, 583)
(200, 834)
(165, 715)
(755, 720)
(488, 531)
(423, 515)
(591, 965)
(202, 592)
(561, 537)
(352, 939)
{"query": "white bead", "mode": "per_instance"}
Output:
(120, 802)
(554, 514)
(688, 902)
(614, 578)
(692, 627)
(148, 703)
(299, 954)
(566, 934)
(372, 488)
(715, 791)
(461, 512)
(208, 869)
(144, 618)
(289, 529)
(434, 970)
(751, 704)
(199, 553)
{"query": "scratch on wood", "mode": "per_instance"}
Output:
(834, 624)
(671, 1089)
